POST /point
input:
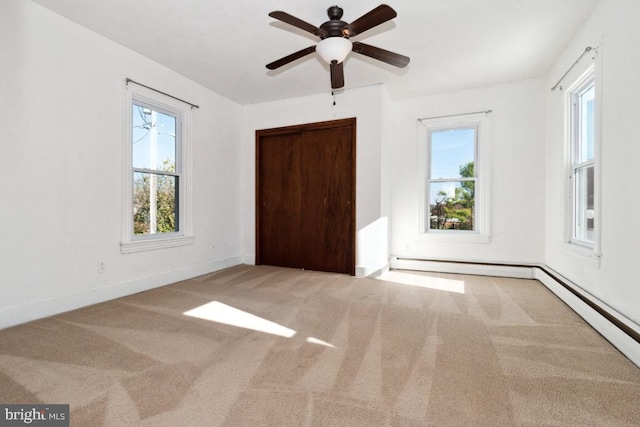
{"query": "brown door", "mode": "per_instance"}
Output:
(305, 196)
(279, 200)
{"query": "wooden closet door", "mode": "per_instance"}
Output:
(305, 196)
(279, 200)
(327, 187)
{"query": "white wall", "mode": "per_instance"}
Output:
(516, 157)
(61, 144)
(613, 26)
(366, 106)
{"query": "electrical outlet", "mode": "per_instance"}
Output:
(101, 267)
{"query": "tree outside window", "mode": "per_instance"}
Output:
(452, 179)
(155, 175)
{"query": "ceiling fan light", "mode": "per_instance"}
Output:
(334, 49)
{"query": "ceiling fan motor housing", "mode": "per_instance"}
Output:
(334, 26)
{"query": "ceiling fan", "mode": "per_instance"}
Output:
(335, 45)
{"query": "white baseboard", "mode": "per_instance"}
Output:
(361, 271)
(616, 336)
(371, 271)
(624, 342)
(39, 309)
(501, 270)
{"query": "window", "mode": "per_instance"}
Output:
(454, 189)
(582, 161)
(156, 173)
(157, 206)
(452, 179)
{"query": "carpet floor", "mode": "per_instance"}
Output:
(268, 346)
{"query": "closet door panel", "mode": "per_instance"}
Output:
(279, 200)
(327, 228)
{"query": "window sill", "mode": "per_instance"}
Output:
(582, 253)
(455, 237)
(155, 243)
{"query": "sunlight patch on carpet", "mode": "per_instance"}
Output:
(419, 280)
(216, 311)
(319, 342)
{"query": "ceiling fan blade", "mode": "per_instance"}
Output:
(290, 58)
(381, 54)
(377, 16)
(299, 23)
(337, 75)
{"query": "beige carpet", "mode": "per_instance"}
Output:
(267, 346)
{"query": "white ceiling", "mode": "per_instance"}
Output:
(225, 45)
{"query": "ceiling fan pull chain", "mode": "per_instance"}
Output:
(334, 97)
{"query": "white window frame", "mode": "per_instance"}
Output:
(586, 249)
(184, 236)
(426, 127)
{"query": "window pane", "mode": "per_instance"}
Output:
(584, 204)
(154, 139)
(452, 205)
(154, 203)
(587, 125)
(452, 151)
